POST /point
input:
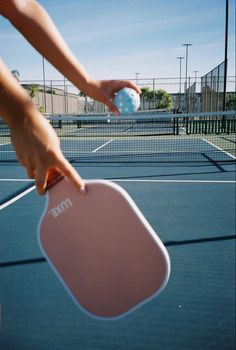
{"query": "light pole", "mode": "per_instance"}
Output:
(186, 73)
(195, 72)
(226, 53)
(186, 67)
(180, 58)
(137, 74)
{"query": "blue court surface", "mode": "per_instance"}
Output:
(191, 207)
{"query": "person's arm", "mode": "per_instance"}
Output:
(36, 143)
(34, 23)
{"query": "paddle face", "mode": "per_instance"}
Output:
(102, 248)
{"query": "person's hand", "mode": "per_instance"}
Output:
(38, 149)
(105, 90)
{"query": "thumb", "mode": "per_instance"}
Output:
(41, 180)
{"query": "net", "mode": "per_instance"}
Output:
(141, 138)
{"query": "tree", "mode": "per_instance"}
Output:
(159, 99)
(146, 92)
(33, 90)
(162, 99)
(231, 101)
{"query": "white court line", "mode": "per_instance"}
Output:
(142, 180)
(24, 193)
(4, 144)
(17, 180)
(16, 198)
(103, 145)
(220, 149)
(175, 181)
(106, 143)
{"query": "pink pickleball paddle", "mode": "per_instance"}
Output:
(102, 248)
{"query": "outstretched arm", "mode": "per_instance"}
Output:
(36, 143)
(30, 18)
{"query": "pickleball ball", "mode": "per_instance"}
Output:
(127, 101)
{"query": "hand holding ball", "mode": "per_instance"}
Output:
(127, 101)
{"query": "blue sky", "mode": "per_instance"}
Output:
(115, 39)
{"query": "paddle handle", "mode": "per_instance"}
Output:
(53, 178)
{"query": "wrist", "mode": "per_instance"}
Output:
(24, 118)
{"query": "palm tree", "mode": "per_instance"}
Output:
(158, 99)
(33, 90)
(145, 96)
(16, 74)
(146, 92)
(162, 99)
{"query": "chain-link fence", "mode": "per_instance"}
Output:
(212, 89)
(61, 97)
